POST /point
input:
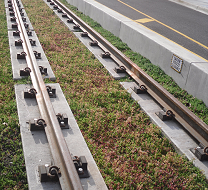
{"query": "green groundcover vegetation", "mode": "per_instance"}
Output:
(129, 150)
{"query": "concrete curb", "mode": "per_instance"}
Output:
(157, 49)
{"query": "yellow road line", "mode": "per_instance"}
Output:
(144, 20)
(164, 25)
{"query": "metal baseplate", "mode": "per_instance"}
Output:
(51, 172)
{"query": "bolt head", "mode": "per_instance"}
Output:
(80, 170)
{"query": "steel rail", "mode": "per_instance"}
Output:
(196, 127)
(68, 177)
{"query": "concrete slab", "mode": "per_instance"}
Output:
(179, 137)
(35, 144)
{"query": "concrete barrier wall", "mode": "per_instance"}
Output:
(159, 50)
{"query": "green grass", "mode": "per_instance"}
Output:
(12, 167)
(129, 150)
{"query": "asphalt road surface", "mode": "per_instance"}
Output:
(182, 25)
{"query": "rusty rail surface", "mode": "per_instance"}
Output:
(196, 127)
(67, 173)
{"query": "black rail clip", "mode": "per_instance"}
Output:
(201, 152)
(60, 11)
(65, 15)
(63, 120)
(9, 1)
(120, 69)
(29, 33)
(25, 72)
(16, 33)
(48, 0)
(70, 20)
(84, 34)
(15, 25)
(80, 164)
(76, 27)
(48, 173)
(18, 42)
(52, 3)
(51, 91)
(105, 55)
(12, 13)
(55, 7)
(26, 25)
(37, 55)
(11, 9)
(9, 4)
(164, 116)
(37, 124)
(21, 55)
(18, 3)
(32, 42)
(93, 43)
(13, 19)
(140, 90)
(43, 70)
(30, 93)
(23, 19)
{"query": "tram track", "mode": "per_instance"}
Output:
(63, 165)
(181, 113)
(123, 63)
